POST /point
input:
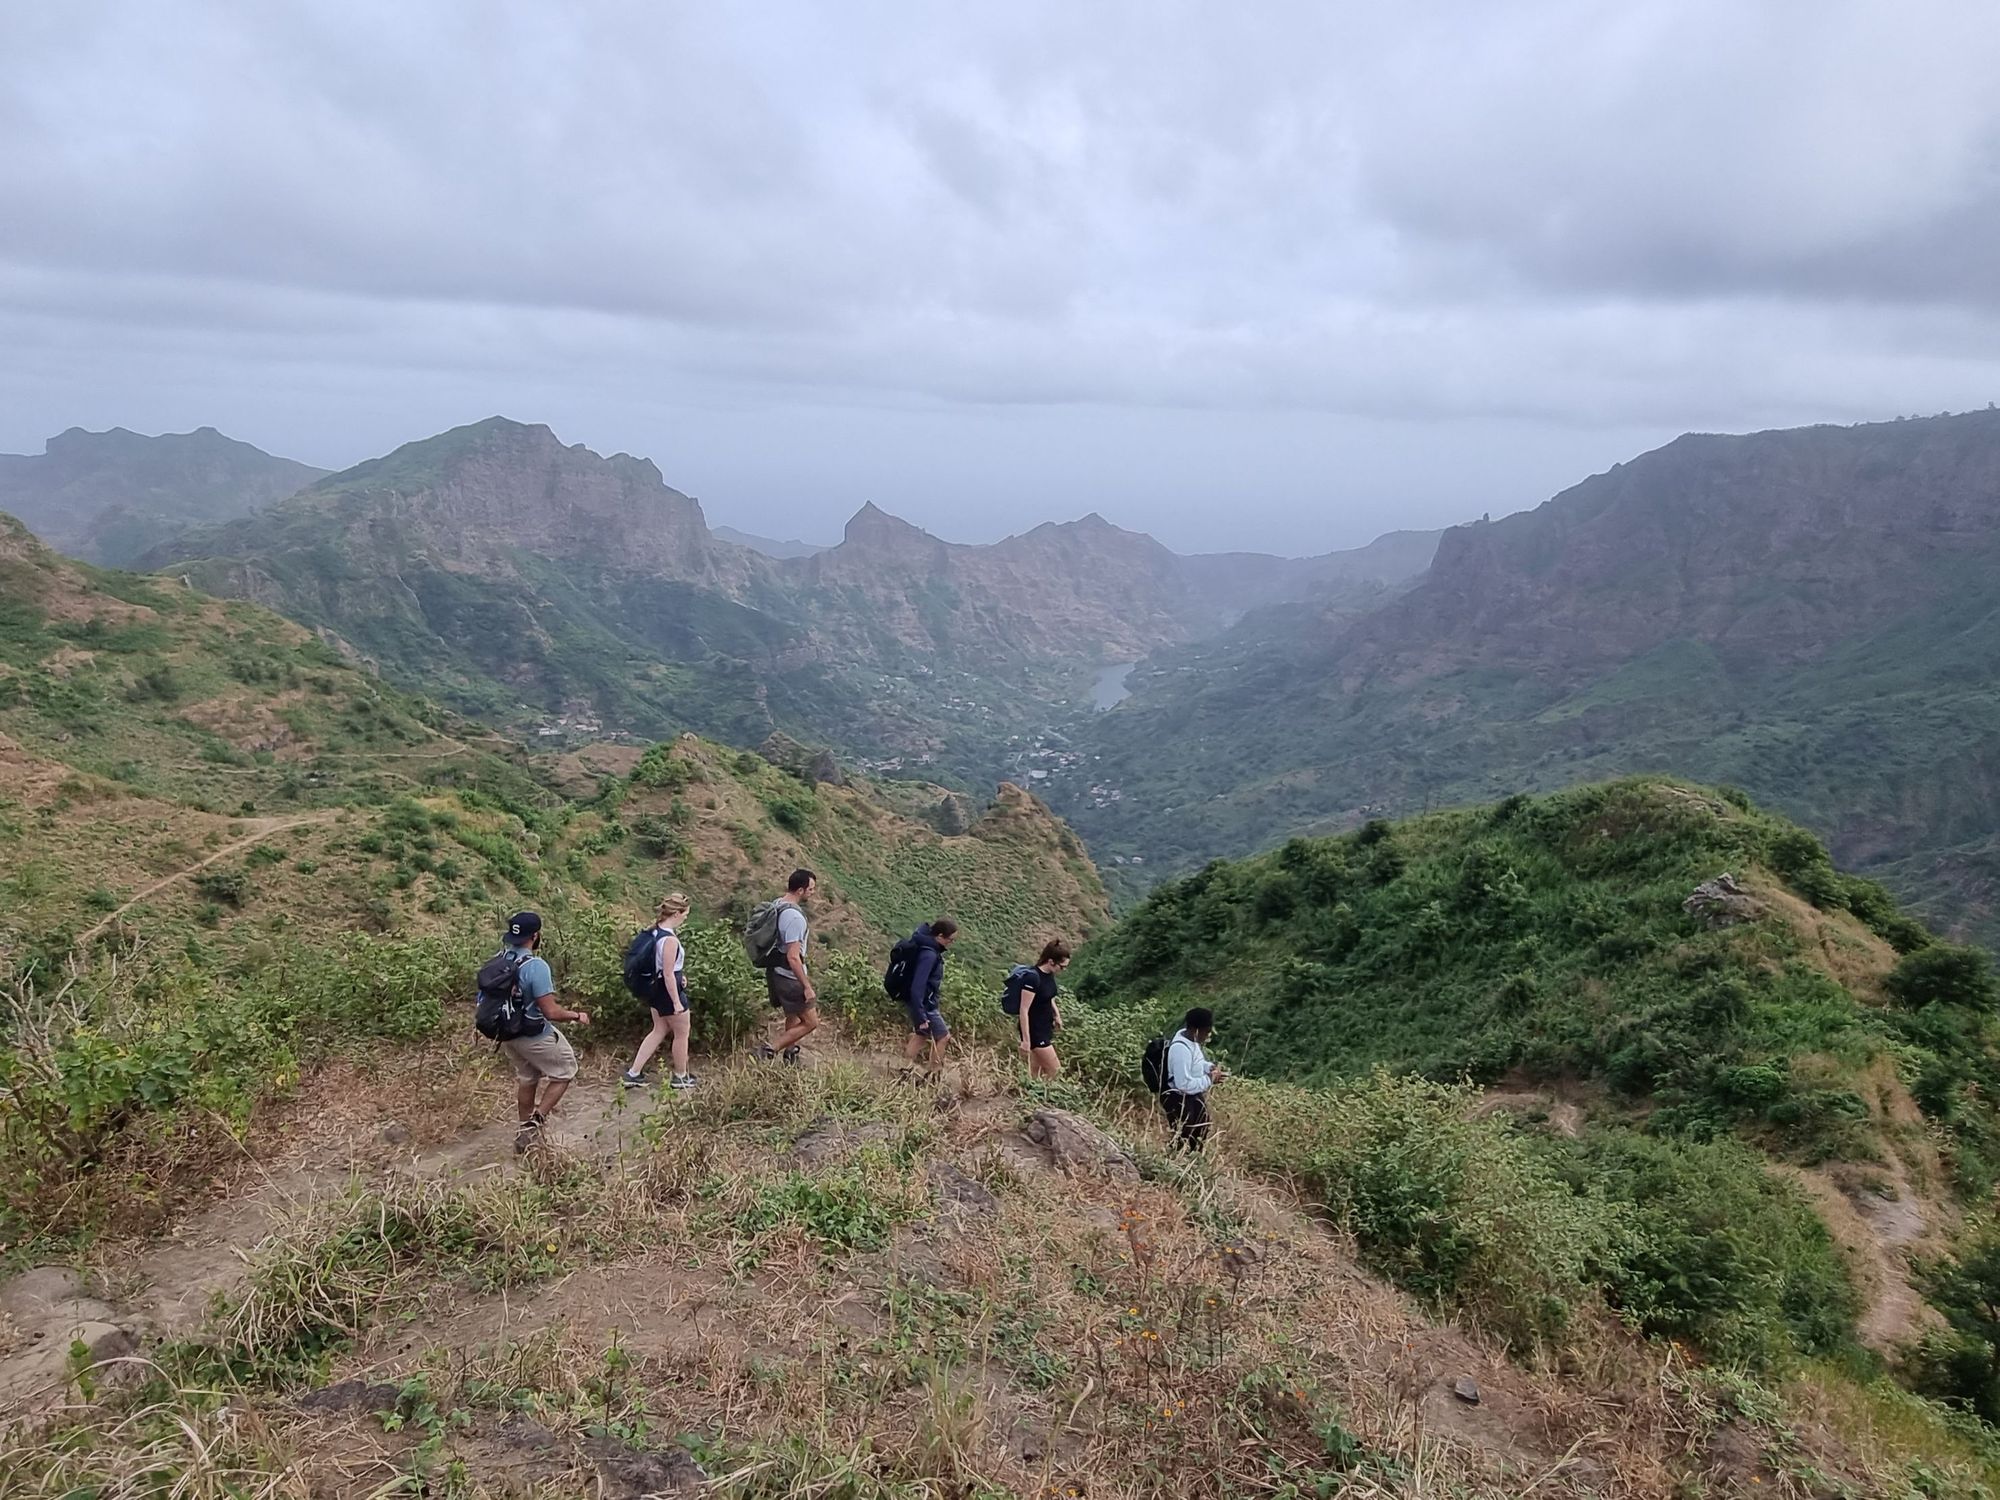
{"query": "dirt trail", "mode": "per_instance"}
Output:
(208, 1254)
(1877, 1228)
(261, 829)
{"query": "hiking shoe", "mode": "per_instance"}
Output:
(766, 1053)
(529, 1133)
(634, 1081)
(682, 1081)
(792, 1056)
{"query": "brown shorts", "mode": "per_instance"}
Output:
(547, 1055)
(787, 993)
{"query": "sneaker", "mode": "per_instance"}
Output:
(792, 1055)
(527, 1135)
(630, 1080)
(766, 1053)
(682, 1081)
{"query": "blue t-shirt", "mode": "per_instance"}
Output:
(536, 981)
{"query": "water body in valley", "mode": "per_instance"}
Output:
(1109, 690)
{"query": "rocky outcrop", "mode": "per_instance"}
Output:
(1076, 1145)
(1721, 902)
(803, 761)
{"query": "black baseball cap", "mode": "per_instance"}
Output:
(524, 924)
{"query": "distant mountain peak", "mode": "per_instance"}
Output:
(873, 526)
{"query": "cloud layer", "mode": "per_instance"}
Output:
(1338, 267)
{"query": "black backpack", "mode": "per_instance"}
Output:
(1017, 981)
(642, 963)
(902, 968)
(501, 1015)
(1153, 1066)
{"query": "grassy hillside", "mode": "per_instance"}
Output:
(226, 854)
(1718, 1108)
(243, 1133)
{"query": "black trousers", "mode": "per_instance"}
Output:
(1188, 1114)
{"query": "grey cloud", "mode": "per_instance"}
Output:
(1157, 239)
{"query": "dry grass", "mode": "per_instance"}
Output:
(1194, 1334)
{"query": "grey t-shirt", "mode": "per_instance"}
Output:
(791, 928)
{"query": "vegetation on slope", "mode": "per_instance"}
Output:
(1543, 947)
(1809, 615)
(226, 854)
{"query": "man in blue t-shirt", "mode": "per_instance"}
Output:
(544, 1062)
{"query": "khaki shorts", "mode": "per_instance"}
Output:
(548, 1055)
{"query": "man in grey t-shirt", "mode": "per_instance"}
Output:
(790, 984)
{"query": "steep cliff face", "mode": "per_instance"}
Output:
(107, 497)
(478, 499)
(1769, 549)
(1074, 590)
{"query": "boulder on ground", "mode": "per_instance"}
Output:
(1076, 1145)
(1721, 902)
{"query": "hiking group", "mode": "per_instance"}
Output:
(518, 1009)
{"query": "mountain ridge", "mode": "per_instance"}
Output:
(512, 575)
(1756, 610)
(109, 496)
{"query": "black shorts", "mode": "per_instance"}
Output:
(671, 998)
(1042, 1028)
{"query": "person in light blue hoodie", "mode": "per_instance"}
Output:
(1190, 1075)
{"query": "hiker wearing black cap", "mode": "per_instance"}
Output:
(1190, 1075)
(544, 1062)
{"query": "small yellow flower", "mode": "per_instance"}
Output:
(551, 1247)
(1133, 1311)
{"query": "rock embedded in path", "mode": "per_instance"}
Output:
(954, 1186)
(35, 1296)
(828, 1140)
(643, 1474)
(351, 1395)
(1076, 1145)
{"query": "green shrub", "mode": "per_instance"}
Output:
(156, 684)
(658, 837)
(1716, 1251)
(662, 768)
(1454, 1207)
(842, 1210)
(1945, 974)
(1961, 1365)
(184, 1030)
(224, 886)
(791, 810)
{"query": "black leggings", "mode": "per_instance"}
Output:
(1188, 1114)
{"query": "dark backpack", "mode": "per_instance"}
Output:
(1017, 981)
(642, 964)
(501, 1014)
(1153, 1066)
(902, 969)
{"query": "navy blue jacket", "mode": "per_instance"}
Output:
(927, 972)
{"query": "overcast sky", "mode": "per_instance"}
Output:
(1270, 275)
